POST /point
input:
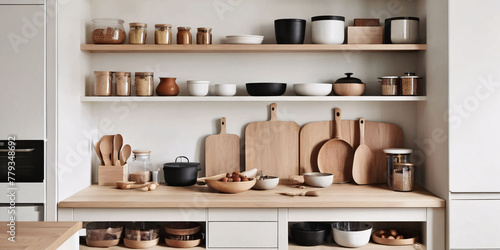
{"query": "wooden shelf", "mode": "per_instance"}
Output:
(369, 246)
(243, 48)
(161, 246)
(253, 98)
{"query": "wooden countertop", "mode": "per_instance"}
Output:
(38, 235)
(335, 196)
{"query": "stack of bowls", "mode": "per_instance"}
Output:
(183, 234)
(197, 88)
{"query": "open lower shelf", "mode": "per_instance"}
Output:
(369, 246)
(161, 246)
(246, 48)
(252, 98)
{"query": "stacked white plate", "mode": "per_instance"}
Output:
(244, 39)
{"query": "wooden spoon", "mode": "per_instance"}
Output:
(307, 193)
(363, 166)
(125, 154)
(106, 150)
(98, 151)
(117, 145)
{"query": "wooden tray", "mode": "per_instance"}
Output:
(411, 237)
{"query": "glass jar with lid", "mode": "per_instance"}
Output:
(140, 167)
(204, 36)
(394, 156)
(108, 31)
(122, 83)
(163, 34)
(403, 177)
(184, 35)
(144, 83)
(102, 83)
(137, 33)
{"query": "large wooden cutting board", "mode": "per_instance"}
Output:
(378, 137)
(222, 152)
(273, 146)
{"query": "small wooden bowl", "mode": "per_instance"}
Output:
(411, 237)
(182, 228)
(349, 89)
(140, 244)
(230, 187)
(182, 243)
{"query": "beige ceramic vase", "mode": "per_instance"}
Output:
(167, 87)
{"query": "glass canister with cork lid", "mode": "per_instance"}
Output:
(184, 35)
(138, 33)
(163, 34)
(144, 83)
(204, 36)
(395, 156)
(403, 177)
(140, 168)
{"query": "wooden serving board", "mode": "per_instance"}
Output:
(273, 146)
(379, 136)
(222, 152)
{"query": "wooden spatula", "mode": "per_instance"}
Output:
(106, 150)
(363, 167)
(125, 154)
(117, 145)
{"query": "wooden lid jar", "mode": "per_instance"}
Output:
(102, 83)
(144, 84)
(184, 35)
(204, 36)
(163, 34)
(138, 33)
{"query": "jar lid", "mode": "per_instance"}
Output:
(409, 74)
(204, 29)
(164, 25)
(120, 21)
(123, 73)
(404, 164)
(348, 79)
(144, 73)
(388, 77)
(138, 25)
(141, 152)
(290, 20)
(403, 18)
(397, 151)
(98, 73)
(183, 28)
(322, 18)
(412, 77)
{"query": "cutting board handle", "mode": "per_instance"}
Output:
(362, 123)
(274, 111)
(338, 123)
(222, 125)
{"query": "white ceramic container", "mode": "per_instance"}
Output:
(405, 30)
(225, 89)
(197, 88)
(269, 183)
(312, 89)
(327, 29)
(317, 179)
(351, 234)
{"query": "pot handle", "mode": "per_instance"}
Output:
(181, 158)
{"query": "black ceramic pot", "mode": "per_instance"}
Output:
(181, 173)
(266, 88)
(290, 31)
(310, 233)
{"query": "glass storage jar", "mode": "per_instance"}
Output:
(140, 167)
(204, 36)
(138, 33)
(122, 83)
(403, 177)
(140, 235)
(102, 83)
(108, 31)
(394, 156)
(144, 83)
(163, 34)
(389, 85)
(409, 85)
(184, 35)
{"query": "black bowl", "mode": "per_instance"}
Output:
(290, 31)
(310, 233)
(266, 88)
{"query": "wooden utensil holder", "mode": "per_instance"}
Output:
(109, 175)
(364, 35)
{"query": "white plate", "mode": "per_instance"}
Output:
(244, 39)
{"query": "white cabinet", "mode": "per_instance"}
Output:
(22, 98)
(22, 213)
(242, 234)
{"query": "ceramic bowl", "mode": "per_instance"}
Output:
(225, 89)
(349, 89)
(266, 88)
(310, 233)
(317, 179)
(351, 234)
(198, 88)
(230, 187)
(244, 39)
(312, 89)
(269, 182)
(103, 234)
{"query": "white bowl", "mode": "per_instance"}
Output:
(225, 89)
(313, 89)
(317, 179)
(244, 39)
(197, 88)
(351, 234)
(269, 183)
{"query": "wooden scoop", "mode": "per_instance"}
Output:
(336, 155)
(307, 193)
(125, 154)
(106, 147)
(98, 151)
(363, 167)
(117, 145)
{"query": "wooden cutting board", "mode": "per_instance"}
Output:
(222, 152)
(379, 136)
(273, 146)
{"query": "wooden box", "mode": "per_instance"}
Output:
(109, 175)
(364, 35)
(366, 22)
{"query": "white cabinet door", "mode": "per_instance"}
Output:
(22, 104)
(22, 213)
(474, 224)
(474, 96)
(242, 234)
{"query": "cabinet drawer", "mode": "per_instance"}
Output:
(242, 234)
(243, 214)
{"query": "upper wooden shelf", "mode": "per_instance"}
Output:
(242, 48)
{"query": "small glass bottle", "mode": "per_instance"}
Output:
(138, 33)
(393, 156)
(102, 83)
(204, 36)
(144, 83)
(184, 35)
(163, 34)
(140, 167)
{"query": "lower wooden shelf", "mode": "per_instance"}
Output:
(369, 246)
(252, 98)
(160, 246)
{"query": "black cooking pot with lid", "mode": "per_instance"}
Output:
(348, 79)
(181, 173)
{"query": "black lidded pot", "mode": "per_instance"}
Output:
(290, 31)
(181, 173)
(348, 79)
